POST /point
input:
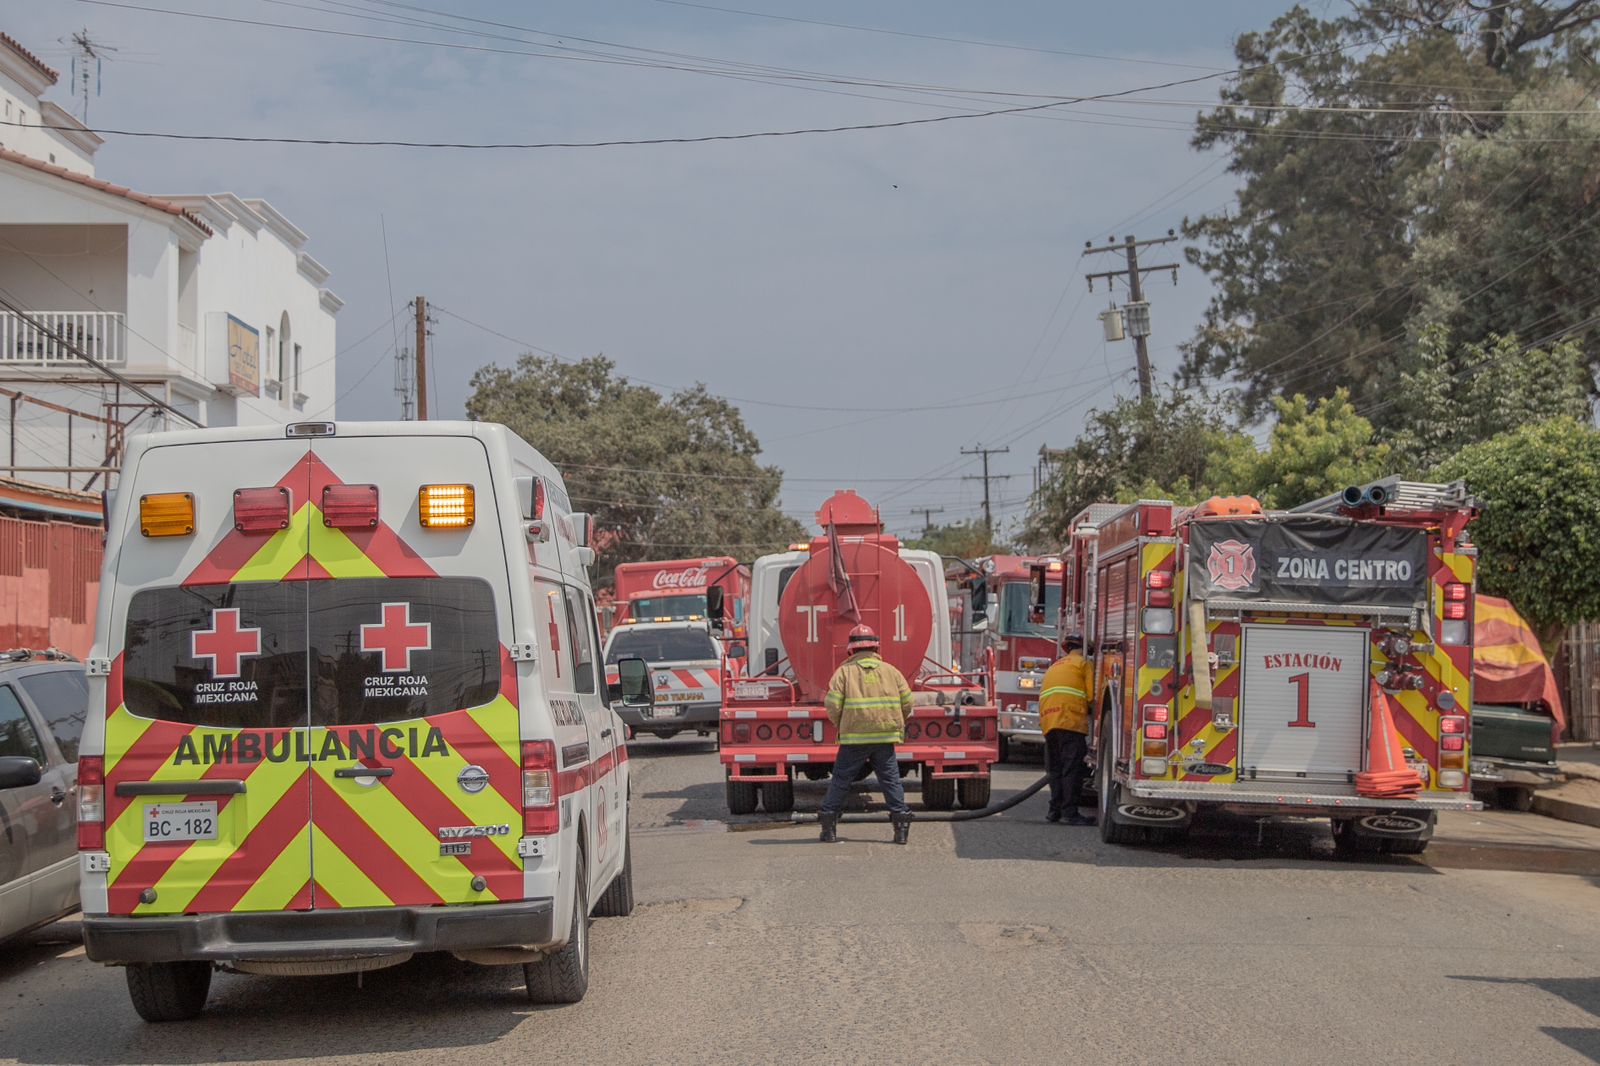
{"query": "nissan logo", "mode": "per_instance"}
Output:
(473, 779)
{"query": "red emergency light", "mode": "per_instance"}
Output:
(350, 506)
(264, 510)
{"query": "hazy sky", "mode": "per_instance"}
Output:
(934, 266)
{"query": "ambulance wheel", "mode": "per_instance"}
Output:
(169, 991)
(564, 976)
(778, 797)
(1005, 748)
(617, 900)
(973, 792)
(742, 796)
(1110, 793)
(938, 793)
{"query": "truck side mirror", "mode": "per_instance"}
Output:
(633, 682)
(716, 607)
(19, 771)
(1036, 580)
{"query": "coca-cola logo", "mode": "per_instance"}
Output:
(694, 577)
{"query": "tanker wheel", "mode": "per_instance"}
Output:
(817, 773)
(742, 796)
(973, 792)
(938, 793)
(778, 797)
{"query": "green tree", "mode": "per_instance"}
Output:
(666, 477)
(1448, 399)
(1346, 135)
(967, 540)
(1163, 447)
(1538, 537)
(1315, 448)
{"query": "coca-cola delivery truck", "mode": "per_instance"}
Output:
(674, 590)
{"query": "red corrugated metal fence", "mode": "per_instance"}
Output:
(49, 583)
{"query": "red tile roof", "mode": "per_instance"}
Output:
(105, 186)
(11, 42)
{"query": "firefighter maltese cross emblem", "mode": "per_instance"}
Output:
(1232, 565)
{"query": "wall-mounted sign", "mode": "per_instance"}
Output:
(244, 358)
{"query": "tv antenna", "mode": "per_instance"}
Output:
(88, 59)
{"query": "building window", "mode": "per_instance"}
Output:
(297, 368)
(266, 368)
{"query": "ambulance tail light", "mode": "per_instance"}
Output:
(445, 506)
(261, 510)
(541, 815)
(166, 514)
(91, 803)
(350, 506)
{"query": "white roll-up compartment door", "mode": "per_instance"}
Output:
(1303, 701)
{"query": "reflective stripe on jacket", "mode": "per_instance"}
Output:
(869, 701)
(1064, 694)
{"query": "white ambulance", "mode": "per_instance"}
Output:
(346, 706)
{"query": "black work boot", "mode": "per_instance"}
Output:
(1077, 817)
(830, 828)
(902, 826)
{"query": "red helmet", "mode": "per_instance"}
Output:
(863, 637)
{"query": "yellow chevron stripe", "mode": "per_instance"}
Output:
(276, 888)
(282, 552)
(123, 731)
(345, 880)
(491, 718)
(416, 844)
(488, 807)
(1153, 556)
(336, 552)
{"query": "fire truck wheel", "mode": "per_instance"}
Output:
(617, 900)
(1405, 847)
(1005, 748)
(1348, 843)
(778, 797)
(973, 792)
(169, 991)
(1110, 796)
(564, 976)
(938, 793)
(742, 797)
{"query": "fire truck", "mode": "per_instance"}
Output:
(992, 613)
(674, 590)
(1312, 662)
(803, 604)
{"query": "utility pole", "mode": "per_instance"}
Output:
(927, 514)
(1137, 311)
(421, 305)
(988, 515)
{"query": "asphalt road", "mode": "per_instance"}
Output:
(1005, 940)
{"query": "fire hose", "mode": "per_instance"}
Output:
(810, 817)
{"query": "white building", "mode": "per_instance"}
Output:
(211, 302)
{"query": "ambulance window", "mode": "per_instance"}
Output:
(783, 578)
(581, 646)
(227, 656)
(388, 649)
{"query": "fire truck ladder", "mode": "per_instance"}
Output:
(1394, 496)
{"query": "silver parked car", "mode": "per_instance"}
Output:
(43, 701)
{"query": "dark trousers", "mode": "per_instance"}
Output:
(1064, 753)
(848, 763)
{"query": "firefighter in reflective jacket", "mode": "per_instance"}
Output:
(1064, 720)
(868, 701)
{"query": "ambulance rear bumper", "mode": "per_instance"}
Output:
(330, 934)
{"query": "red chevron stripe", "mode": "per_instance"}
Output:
(1414, 734)
(334, 818)
(469, 740)
(1224, 753)
(141, 759)
(302, 900)
(325, 900)
(258, 852)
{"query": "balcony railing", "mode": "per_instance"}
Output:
(101, 335)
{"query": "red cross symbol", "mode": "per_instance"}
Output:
(396, 637)
(225, 643)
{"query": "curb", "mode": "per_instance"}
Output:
(1567, 810)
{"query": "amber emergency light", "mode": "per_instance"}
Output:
(166, 514)
(445, 506)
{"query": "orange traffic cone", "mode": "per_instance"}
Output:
(1387, 775)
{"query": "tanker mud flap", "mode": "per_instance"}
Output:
(1391, 825)
(1153, 813)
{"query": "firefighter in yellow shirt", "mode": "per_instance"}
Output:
(1064, 719)
(868, 701)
